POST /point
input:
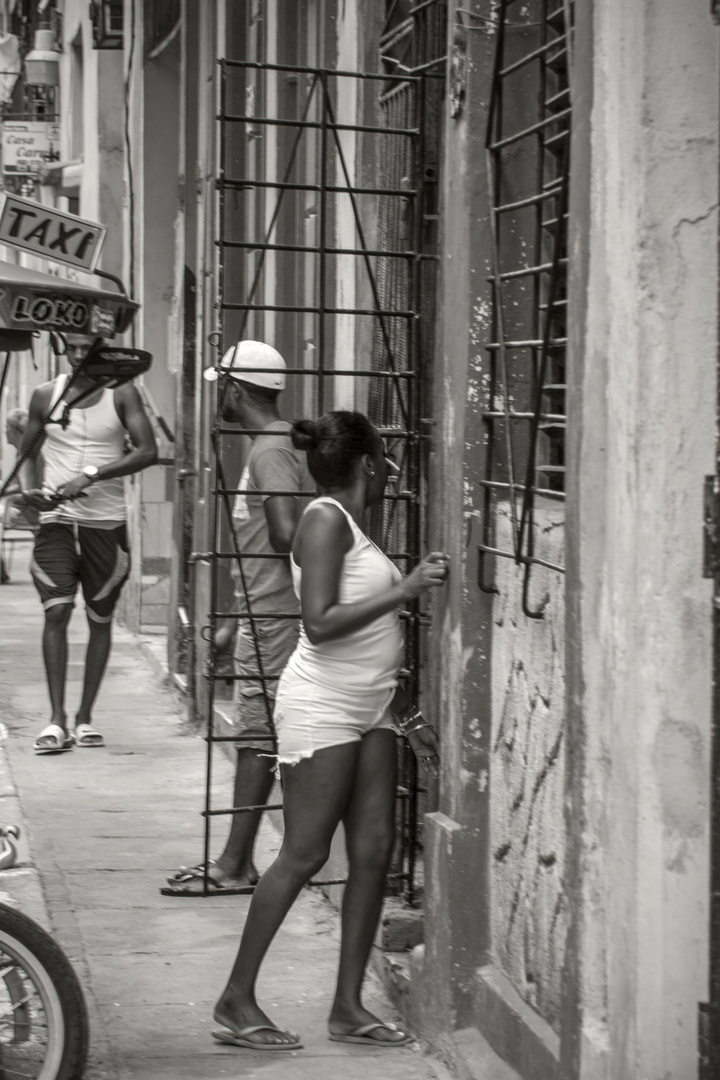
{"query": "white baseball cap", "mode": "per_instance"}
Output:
(251, 362)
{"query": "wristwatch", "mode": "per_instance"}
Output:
(91, 471)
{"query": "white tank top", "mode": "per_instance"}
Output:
(94, 436)
(367, 660)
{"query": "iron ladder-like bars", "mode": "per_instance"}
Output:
(318, 115)
(528, 164)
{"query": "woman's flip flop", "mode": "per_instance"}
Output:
(53, 740)
(363, 1035)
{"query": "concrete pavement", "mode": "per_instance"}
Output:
(102, 829)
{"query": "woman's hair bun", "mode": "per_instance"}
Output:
(304, 434)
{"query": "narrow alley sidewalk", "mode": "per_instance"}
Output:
(104, 827)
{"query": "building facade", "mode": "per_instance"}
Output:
(567, 851)
(493, 226)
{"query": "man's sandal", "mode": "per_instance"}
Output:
(86, 735)
(53, 740)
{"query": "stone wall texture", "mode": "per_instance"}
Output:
(527, 772)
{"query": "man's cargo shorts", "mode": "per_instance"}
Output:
(66, 555)
(276, 640)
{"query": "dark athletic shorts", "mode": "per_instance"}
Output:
(67, 555)
(276, 640)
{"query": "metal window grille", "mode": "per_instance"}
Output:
(306, 223)
(528, 160)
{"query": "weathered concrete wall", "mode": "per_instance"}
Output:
(156, 190)
(495, 915)
(527, 769)
(457, 925)
(641, 412)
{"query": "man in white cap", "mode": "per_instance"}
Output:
(252, 376)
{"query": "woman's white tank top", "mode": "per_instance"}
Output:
(94, 436)
(367, 660)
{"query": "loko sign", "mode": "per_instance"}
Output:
(51, 233)
(23, 308)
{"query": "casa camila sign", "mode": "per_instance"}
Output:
(28, 145)
(51, 233)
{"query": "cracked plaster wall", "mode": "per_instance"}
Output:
(527, 771)
(641, 394)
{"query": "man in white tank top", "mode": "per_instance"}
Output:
(83, 536)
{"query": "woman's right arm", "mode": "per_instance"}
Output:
(323, 540)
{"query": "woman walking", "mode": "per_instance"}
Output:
(337, 705)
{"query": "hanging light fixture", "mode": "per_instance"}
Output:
(42, 63)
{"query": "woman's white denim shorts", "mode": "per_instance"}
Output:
(309, 717)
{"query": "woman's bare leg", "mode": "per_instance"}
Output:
(315, 796)
(369, 834)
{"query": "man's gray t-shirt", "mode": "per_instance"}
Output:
(273, 464)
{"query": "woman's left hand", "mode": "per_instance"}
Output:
(426, 747)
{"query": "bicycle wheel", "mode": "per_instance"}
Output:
(43, 1019)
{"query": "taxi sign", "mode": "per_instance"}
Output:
(53, 234)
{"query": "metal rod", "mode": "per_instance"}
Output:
(393, 433)
(363, 129)
(419, 68)
(322, 244)
(550, 493)
(350, 373)
(280, 185)
(546, 418)
(536, 54)
(549, 193)
(499, 320)
(531, 343)
(539, 126)
(552, 101)
(221, 89)
(267, 555)
(381, 314)
(559, 137)
(524, 559)
(542, 367)
(273, 220)
(5, 370)
(257, 245)
(567, 10)
(542, 268)
(319, 71)
(316, 309)
(246, 809)
(277, 555)
(421, 7)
